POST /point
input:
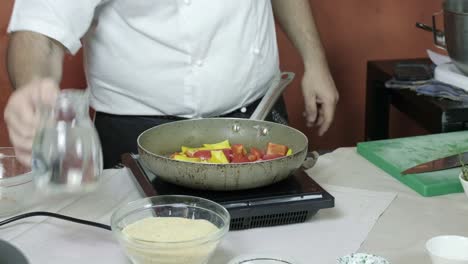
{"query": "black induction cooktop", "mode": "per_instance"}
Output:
(293, 200)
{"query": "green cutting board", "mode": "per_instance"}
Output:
(396, 155)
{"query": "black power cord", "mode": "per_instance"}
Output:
(59, 216)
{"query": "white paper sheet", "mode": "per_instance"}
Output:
(51, 241)
(328, 235)
(409, 222)
(438, 58)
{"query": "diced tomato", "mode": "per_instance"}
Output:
(238, 149)
(257, 152)
(202, 154)
(228, 154)
(252, 157)
(273, 148)
(236, 158)
(271, 156)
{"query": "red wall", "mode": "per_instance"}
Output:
(5, 8)
(353, 32)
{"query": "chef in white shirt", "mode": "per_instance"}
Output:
(149, 62)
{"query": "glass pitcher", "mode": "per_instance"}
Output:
(67, 154)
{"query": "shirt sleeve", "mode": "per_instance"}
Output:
(66, 21)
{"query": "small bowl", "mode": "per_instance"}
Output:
(16, 185)
(195, 251)
(448, 249)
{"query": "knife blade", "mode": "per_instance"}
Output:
(444, 163)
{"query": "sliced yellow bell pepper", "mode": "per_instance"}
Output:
(192, 150)
(185, 158)
(289, 153)
(220, 145)
(217, 156)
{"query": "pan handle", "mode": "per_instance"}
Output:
(439, 36)
(277, 86)
(424, 27)
(310, 160)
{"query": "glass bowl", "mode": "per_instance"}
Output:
(16, 185)
(194, 251)
(262, 259)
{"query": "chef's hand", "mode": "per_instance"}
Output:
(22, 115)
(320, 97)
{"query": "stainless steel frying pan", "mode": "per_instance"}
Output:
(156, 144)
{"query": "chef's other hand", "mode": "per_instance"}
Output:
(320, 97)
(22, 114)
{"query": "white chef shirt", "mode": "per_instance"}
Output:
(190, 58)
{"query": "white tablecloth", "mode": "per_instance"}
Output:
(325, 237)
(50, 240)
(364, 219)
(402, 231)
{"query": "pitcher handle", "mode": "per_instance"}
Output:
(439, 36)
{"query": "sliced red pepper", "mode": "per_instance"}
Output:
(202, 154)
(228, 154)
(273, 148)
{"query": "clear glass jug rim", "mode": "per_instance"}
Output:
(71, 98)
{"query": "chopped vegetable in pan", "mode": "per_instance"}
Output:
(224, 153)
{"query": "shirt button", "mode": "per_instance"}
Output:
(187, 2)
(243, 110)
(256, 51)
(199, 63)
